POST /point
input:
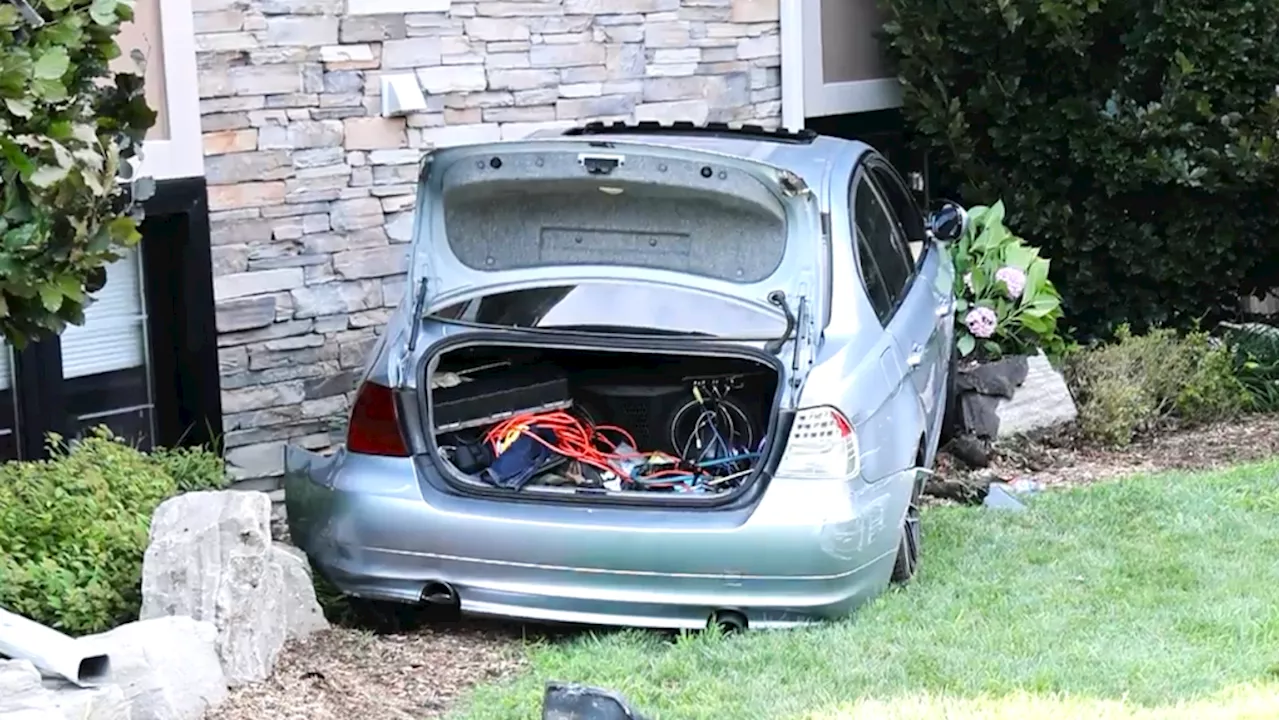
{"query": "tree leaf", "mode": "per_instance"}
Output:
(52, 65)
(9, 18)
(51, 297)
(965, 344)
(22, 107)
(103, 12)
(124, 230)
(47, 175)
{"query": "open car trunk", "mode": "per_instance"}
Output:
(580, 423)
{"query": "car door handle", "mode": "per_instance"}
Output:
(945, 308)
(916, 357)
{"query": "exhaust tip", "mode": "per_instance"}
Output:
(438, 593)
(729, 621)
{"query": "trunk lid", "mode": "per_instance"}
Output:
(521, 213)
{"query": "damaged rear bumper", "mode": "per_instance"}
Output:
(815, 550)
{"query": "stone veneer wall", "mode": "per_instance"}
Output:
(311, 190)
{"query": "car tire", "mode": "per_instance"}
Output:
(908, 559)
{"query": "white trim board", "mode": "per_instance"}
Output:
(182, 154)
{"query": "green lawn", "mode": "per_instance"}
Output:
(1152, 597)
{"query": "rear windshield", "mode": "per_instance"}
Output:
(726, 226)
(618, 307)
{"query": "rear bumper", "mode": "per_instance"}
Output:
(375, 531)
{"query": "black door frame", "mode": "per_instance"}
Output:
(177, 277)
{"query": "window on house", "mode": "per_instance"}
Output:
(8, 406)
(104, 361)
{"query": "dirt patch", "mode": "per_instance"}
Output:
(1063, 458)
(347, 674)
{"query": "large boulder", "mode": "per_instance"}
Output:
(1042, 401)
(21, 695)
(166, 669)
(211, 557)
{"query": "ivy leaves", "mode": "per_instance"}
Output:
(67, 129)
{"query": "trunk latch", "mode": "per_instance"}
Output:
(601, 164)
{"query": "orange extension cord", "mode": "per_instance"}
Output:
(576, 439)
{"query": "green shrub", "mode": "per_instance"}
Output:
(1142, 382)
(1000, 275)
(67, 131)
(1255, 351)
(1134, 142)
(73, 528)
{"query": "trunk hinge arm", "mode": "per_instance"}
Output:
(802, 352)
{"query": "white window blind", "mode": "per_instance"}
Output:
(112, 337)
(6, 366)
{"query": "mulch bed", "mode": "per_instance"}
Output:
(351, 674)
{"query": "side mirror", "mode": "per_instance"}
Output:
(947, 223)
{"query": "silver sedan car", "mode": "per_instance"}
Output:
(644, 375)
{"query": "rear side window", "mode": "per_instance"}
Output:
(876, 290)
(903, 207)
(884, 242)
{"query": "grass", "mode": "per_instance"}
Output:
(1153, 597)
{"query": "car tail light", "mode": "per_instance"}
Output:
(373, 428)
(822, 444)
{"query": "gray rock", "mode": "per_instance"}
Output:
(166, 668)
(303, 614)
(99, 703)
(1041, 402)
(211, 557)
(21, 695)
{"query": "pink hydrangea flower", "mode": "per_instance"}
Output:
(981, 322)
(1015, 281)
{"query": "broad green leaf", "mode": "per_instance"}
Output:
(52, 90)
(4, 307)
(51, 297)
(124, 230)
(962, 305)
(1020, 256)
(9, 18)
(995, 216)
(52, 65)
(21, 107)
(47, 175)
(103, 12)
(965, 344)
(1041, 307)
(71, 287)
(1037, 274)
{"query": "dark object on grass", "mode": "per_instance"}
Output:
(569, 701)
(980, 389)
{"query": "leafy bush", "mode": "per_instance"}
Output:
(1005, 303)
(73, 528)
(1141, 382)
(67, 131)
(1255, 349)
(1134, 142)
